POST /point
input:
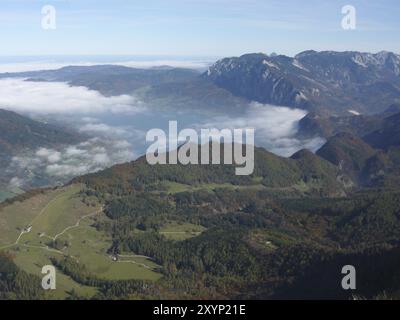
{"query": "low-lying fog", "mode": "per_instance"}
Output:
(118, 126)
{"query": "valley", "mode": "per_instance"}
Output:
(323, 193)
(168, 155)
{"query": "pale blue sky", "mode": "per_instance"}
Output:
(196, 27)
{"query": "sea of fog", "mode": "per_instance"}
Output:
(116, 127)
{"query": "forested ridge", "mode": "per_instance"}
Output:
(284, 232)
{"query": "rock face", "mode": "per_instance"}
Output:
(257, 77)
(333, 83)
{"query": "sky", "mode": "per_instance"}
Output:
(196, 27)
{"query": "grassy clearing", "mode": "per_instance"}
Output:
(32, 260)
(89, 246)
(14, 218)
(174, 187)
(271, 239)
(181, 231)
(61, 213)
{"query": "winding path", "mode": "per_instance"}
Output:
(24, 231)
(76, 225)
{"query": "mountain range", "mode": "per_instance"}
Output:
(326, 83)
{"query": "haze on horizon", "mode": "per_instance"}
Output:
(179, 33)
(196, 28)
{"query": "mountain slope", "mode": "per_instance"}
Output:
(209, 234)
(348, 152)
(305, 172)
(366, 166)
(313, 125)
(388, 135)
(325, 82)
(19, 134)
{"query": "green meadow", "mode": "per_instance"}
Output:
(181, 231)
(61, 215)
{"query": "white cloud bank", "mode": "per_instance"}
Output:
(275, 128)
(58, 97)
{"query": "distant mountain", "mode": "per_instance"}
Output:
(388, 135)
(18, 132)
(393, 109)
(348, 152)
(328, 83)
(327, 126)
(109, 80)
(379, 130)
(383, 169)
(366, 166)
